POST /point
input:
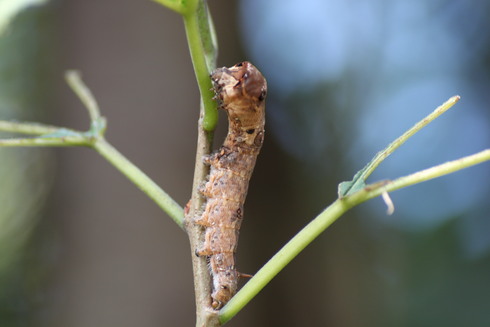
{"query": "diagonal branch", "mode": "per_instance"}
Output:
(94, 138)
(360, 177)
(28, 128)
(329, 216)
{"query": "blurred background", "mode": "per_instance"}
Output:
(81, 246)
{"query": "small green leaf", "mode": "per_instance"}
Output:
(357, 183)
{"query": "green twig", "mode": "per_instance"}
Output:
(46, 141)
(425, 175)
(73, 78)
(327, 217)
(408, 134)
(359, 179)
(61, 137)
(94, 137)
(281, 259)
(203, 62)
(140, 179)
(203, 48)
(27, 128)
(126, 167)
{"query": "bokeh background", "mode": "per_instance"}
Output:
(81, 246)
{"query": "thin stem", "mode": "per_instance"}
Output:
(202, 278)
(44, 142)
(327, 217)
(74, 79)
(403, 138)
(281, 259)
(201, 69)
(28, 128)
(203, 49)
(374, 190)
(359, 179)
(65, 138)
(56, 136)
(140, 179)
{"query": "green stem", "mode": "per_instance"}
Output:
(203, 50)
(140, 179)
(28, 128)
(360, 177)
(281, 259)
(195, 42)
(95, 135)
(408, 134)
(61, 137)
(46, 141)
(74, 80)
(327, 217)
(423, 175)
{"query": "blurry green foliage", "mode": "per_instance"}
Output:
(25, 174)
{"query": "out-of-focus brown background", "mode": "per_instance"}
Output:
(93, 250)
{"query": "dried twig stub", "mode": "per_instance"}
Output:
(241, 91)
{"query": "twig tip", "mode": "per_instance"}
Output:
(72, 73)
(455, 98)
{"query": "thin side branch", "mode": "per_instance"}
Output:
(141, 180)
(423, 175)
(94, 137)
(28, 128)
(358, 182)
(74, 79)
(45, 142)
(409, 133)
(327, 217)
